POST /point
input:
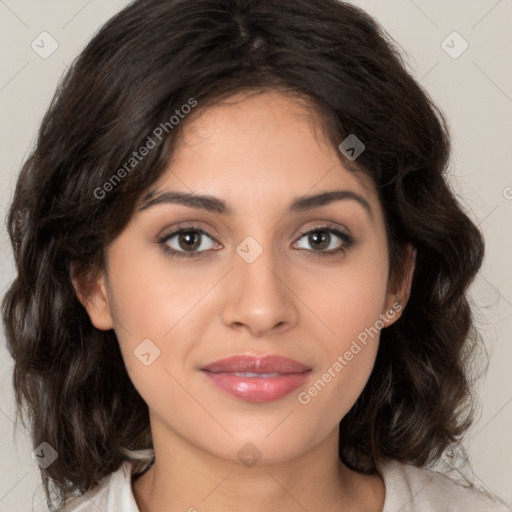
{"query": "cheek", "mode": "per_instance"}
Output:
(349, 304)
(346, 364)
(350, 299)
(149, 294)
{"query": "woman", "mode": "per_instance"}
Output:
(241, 274)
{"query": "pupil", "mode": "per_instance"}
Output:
(187, 236)
(315, 237)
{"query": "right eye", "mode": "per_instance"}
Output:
(188, 237)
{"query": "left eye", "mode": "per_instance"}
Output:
(190, 238)
(323, 238)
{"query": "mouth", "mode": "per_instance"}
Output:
(254, 379)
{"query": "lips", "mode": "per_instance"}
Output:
(256, 379)
(247, 363)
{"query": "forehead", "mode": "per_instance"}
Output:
(272, 144)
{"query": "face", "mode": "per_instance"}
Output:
(308, 283)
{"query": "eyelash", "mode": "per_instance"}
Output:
(347, 239)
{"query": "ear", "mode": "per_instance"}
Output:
(91, 290)
(398, 292)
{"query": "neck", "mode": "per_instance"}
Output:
(186, 478)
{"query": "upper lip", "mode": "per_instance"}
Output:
(253, 364)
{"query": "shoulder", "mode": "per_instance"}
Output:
(414, 489)
(112, 494)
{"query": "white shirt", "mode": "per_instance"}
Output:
(408, 489)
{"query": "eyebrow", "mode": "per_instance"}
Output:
(216, 205)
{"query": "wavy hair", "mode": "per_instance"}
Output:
(140, 69)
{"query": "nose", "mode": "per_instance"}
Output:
(260, 297)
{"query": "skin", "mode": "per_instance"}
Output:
(257, 153)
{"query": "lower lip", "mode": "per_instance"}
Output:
(257, 389)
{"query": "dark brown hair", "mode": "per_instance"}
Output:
(150, 60)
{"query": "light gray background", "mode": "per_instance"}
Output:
(475, 92)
